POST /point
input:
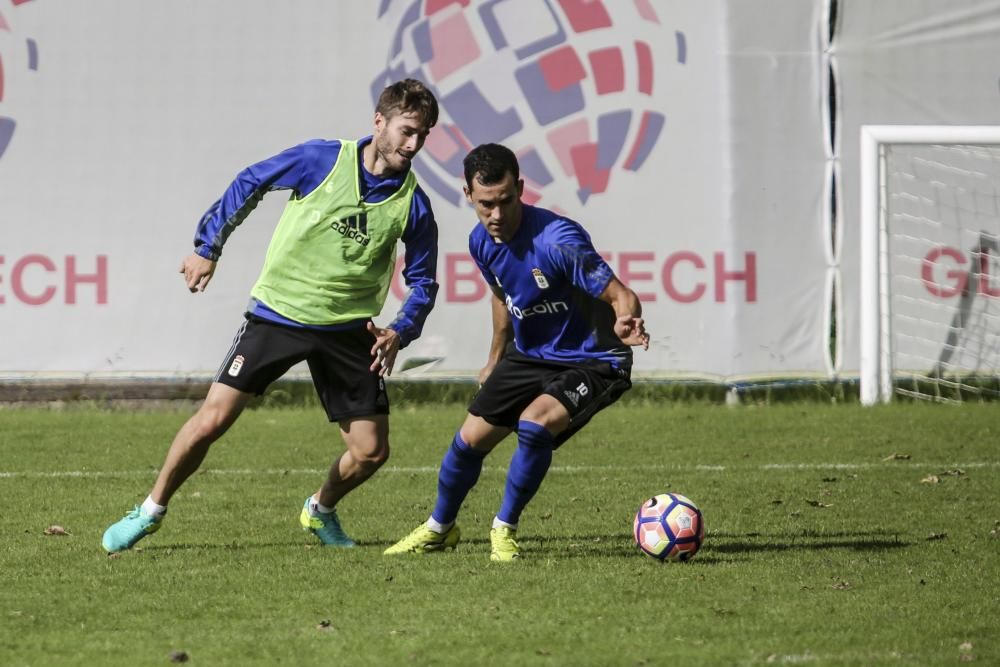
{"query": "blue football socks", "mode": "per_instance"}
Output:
(459, 472)
(527, 470)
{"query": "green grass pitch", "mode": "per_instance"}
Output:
(836, 535)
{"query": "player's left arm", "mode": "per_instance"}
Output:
(572, 250)
(629, 325)
(420, 239)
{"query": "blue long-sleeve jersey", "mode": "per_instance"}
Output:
(552, 279)
(302, 169)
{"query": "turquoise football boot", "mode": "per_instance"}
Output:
(324, 526)
(133, 527)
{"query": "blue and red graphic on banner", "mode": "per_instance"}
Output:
(8, 124)
(555, 69)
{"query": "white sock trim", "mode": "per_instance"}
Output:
(152, 508)
(316, 507)
(497, 523)
(438, 527)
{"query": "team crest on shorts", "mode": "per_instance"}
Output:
(237, 365)
(540, 278)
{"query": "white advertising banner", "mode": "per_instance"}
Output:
(899, 62)
(688, 140)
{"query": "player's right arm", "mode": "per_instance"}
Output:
(480, 248)
(300, 168)
(197, 272)
(503, 332)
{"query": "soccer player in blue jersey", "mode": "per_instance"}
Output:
(326, 274)
(563, 329)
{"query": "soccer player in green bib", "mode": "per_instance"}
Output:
(326, 274)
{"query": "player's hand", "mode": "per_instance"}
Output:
(632, 331)
(197, 272)
(384, 350)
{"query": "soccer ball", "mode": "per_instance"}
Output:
(669, 527)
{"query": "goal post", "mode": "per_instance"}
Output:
(930, 262)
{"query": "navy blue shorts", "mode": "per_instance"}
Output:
(339, 363)
(583, 388)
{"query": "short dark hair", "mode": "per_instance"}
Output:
(489, 163)
(406, 96)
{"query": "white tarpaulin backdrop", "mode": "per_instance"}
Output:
(690, 139)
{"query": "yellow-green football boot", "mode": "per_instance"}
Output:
(423, 540)
(503, 546)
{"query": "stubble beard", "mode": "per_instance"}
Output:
(383, 150)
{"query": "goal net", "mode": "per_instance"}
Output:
(930, 262)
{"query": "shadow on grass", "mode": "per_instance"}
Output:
(247, 546)
(227, 546)
(812, 542)
(719, 547)
(723, 544)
